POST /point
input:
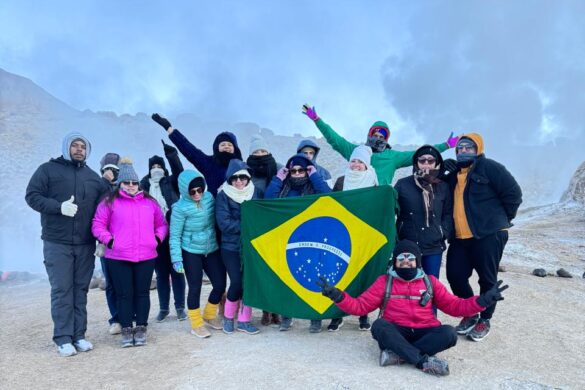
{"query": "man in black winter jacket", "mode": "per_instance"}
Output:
(486, 198)
(66, 192)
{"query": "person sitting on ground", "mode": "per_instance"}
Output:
(407, 329)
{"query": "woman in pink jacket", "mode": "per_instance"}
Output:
(131, 225)
(407, 330)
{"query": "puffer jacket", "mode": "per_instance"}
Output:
(56, 181)
(227, 212)
(134, 223)
(405, 311)
(192, 224)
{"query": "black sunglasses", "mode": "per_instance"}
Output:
(295, 171)
(429, 160)
(130, 183)
(197, 190)
(240, 177)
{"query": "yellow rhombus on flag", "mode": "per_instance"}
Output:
(273, 245)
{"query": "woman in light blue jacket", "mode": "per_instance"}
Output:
(194, 249)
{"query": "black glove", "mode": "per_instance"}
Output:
(161, 121)
(493, 295)
(168, 148)
(110, 243)
(448, 168)
(333, 293)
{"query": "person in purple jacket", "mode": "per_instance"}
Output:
(214, 167)
(131, 224)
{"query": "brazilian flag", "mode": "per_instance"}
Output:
(346, 237)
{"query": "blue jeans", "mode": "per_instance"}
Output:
(431, 264)
(110, 292)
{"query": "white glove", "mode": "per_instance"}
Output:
(100, 250)
(68, 208)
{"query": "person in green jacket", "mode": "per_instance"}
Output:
(385, 160)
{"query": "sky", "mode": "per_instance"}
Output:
(509, 69)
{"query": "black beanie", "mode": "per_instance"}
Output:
(197, 182)
(407, 246)
(156, 160)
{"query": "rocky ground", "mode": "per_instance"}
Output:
(536, 340)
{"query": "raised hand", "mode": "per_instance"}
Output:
(452, 141)
(169, 149)
(161, 121)
(282, 173)
(310, 112)
(493, 295)
(311, 170)
(333, 293)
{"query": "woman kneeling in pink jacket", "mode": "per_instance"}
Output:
(131, 225)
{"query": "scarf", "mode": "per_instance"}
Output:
(262, 166)
(424, 181)
(236, 195)
(360, 179)
(223, 158)
(157, 194)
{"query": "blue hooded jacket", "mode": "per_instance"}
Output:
(307, 142)
(192, 223)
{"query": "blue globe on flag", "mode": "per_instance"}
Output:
(320, 247)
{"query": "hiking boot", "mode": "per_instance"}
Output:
(140, 335)
(247, 327)
(315, 326)
(127, 337)
(436, 366)
(335, 324)
(115, 328)
(228, 326)
(466, 324)
(215, 323)
(285, 324)
(82, 345)
(364, 323)
(275, 319)
(201, 332)
(265, 321)
(162, 315)
(389, 358)
(480, 330)
(181, 315)
(66, 350)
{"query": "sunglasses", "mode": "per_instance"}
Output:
(465, 146)
(296, 171)
(406, 256)
(130, 183)
(239, 177)
(429, 160)
(197, 190)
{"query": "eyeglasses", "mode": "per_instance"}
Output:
(294, 171)
(406, 256)
(197, 190)
(466, 147)
(430, 160)
(239, 177)
(130, 183)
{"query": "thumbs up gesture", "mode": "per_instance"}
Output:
(68, 208)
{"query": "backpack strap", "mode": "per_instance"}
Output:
(387, 293)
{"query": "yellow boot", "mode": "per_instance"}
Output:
(210, 316)
(198, 328)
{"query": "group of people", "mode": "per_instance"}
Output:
(187, 222)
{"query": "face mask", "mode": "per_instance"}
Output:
(224, 158)
(466, 159)
(377, 145)
(156, 174)
(297, 182)
(406, 273)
